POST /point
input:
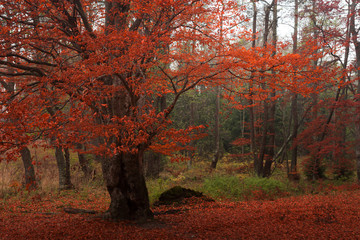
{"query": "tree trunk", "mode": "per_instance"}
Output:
(272, 111)
(216, 130)
(84, 163)
(294, 102)
(63, 163)
(30, 180)
(152, 164)
(263, 149)
(125, 183)
(316, 173)
(253, 148)
(294, 112)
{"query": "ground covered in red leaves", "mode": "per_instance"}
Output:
(335, 215)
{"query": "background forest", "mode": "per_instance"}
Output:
(238, 99)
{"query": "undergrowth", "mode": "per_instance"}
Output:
(231, 180)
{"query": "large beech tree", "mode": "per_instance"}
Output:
(98, 65)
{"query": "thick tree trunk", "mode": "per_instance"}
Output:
(125, 183)
(30, 179)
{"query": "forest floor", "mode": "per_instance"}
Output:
(326, 215)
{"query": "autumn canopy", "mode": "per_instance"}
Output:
(84, 72)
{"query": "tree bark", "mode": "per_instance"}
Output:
(125, 183)
(253, 147)
(124, 173)
(85, 164)
(30, 180)
(152, 164)
(63, 163)
(272, 111)
(216, 130)
(263, 149)
(294, 102)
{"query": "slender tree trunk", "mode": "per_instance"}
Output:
(272, 111)
(294, 152)
(242, 116)
(30, 180)
(216, 130)
(316, 173)
(63, 163)
(85, 164)
(259, 166)
(263, 149)
(253, 148)
(192, 123)
(294, 102)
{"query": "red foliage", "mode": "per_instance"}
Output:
(325, 140)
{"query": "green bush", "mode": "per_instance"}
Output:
(266, 184)
(232, 187)
(223, 186)
(264, 188)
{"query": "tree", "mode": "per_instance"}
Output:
(7, 86)
(268, 73)
(329, 113)
(354, 33)
(99, 71)
(294, 102)
(216, 130)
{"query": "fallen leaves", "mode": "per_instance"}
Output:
(332, 216)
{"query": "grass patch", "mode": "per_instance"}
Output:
(234, 188)
(264, 188)
(223, 186)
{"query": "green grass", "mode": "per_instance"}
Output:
(222, 186)
(234, 188)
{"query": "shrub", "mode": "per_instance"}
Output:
(343, 169)
(263, 188)
(314, 169)
(223, 186)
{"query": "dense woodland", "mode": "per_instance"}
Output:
(128, 86)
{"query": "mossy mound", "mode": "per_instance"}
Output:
(179, 195)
